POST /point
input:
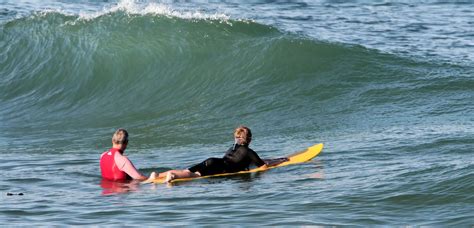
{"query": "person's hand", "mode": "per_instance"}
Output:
(263, 167)
(274, 162)
(151, 178)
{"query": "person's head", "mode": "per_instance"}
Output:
(243, 135)
(120, 138)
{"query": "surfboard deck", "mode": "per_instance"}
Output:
(299, 157)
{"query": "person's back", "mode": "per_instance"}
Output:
(114, 165)
(109, 168)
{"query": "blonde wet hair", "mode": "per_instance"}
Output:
(120, 137)
(243, 135)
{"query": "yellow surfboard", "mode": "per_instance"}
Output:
(299, 157)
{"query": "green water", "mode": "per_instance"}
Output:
(397, 128)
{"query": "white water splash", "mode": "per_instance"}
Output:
(133, 7)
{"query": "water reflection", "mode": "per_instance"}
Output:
(245, 177)
(116, 187)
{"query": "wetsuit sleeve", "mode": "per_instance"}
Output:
(255, 158)
(124, 164)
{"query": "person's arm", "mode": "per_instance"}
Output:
(266, 162)
(124, 164)
(256, 159)
(275, 161)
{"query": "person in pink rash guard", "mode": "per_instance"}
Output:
(114, 165)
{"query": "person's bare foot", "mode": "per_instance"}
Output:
(169, 177)
(151, 178)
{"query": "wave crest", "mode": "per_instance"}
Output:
(137, 8)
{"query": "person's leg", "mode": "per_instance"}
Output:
(174, 174)
(182, 173)
(208, 167)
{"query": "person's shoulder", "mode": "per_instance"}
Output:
(250, 150)
(245, 149)
(121, 160)
(105, 152)
(120, 157)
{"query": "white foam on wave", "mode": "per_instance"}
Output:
(134, 7)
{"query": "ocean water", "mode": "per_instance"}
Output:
(387, 86)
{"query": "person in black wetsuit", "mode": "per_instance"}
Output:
(238, 158)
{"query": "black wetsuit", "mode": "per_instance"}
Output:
(238, 158)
